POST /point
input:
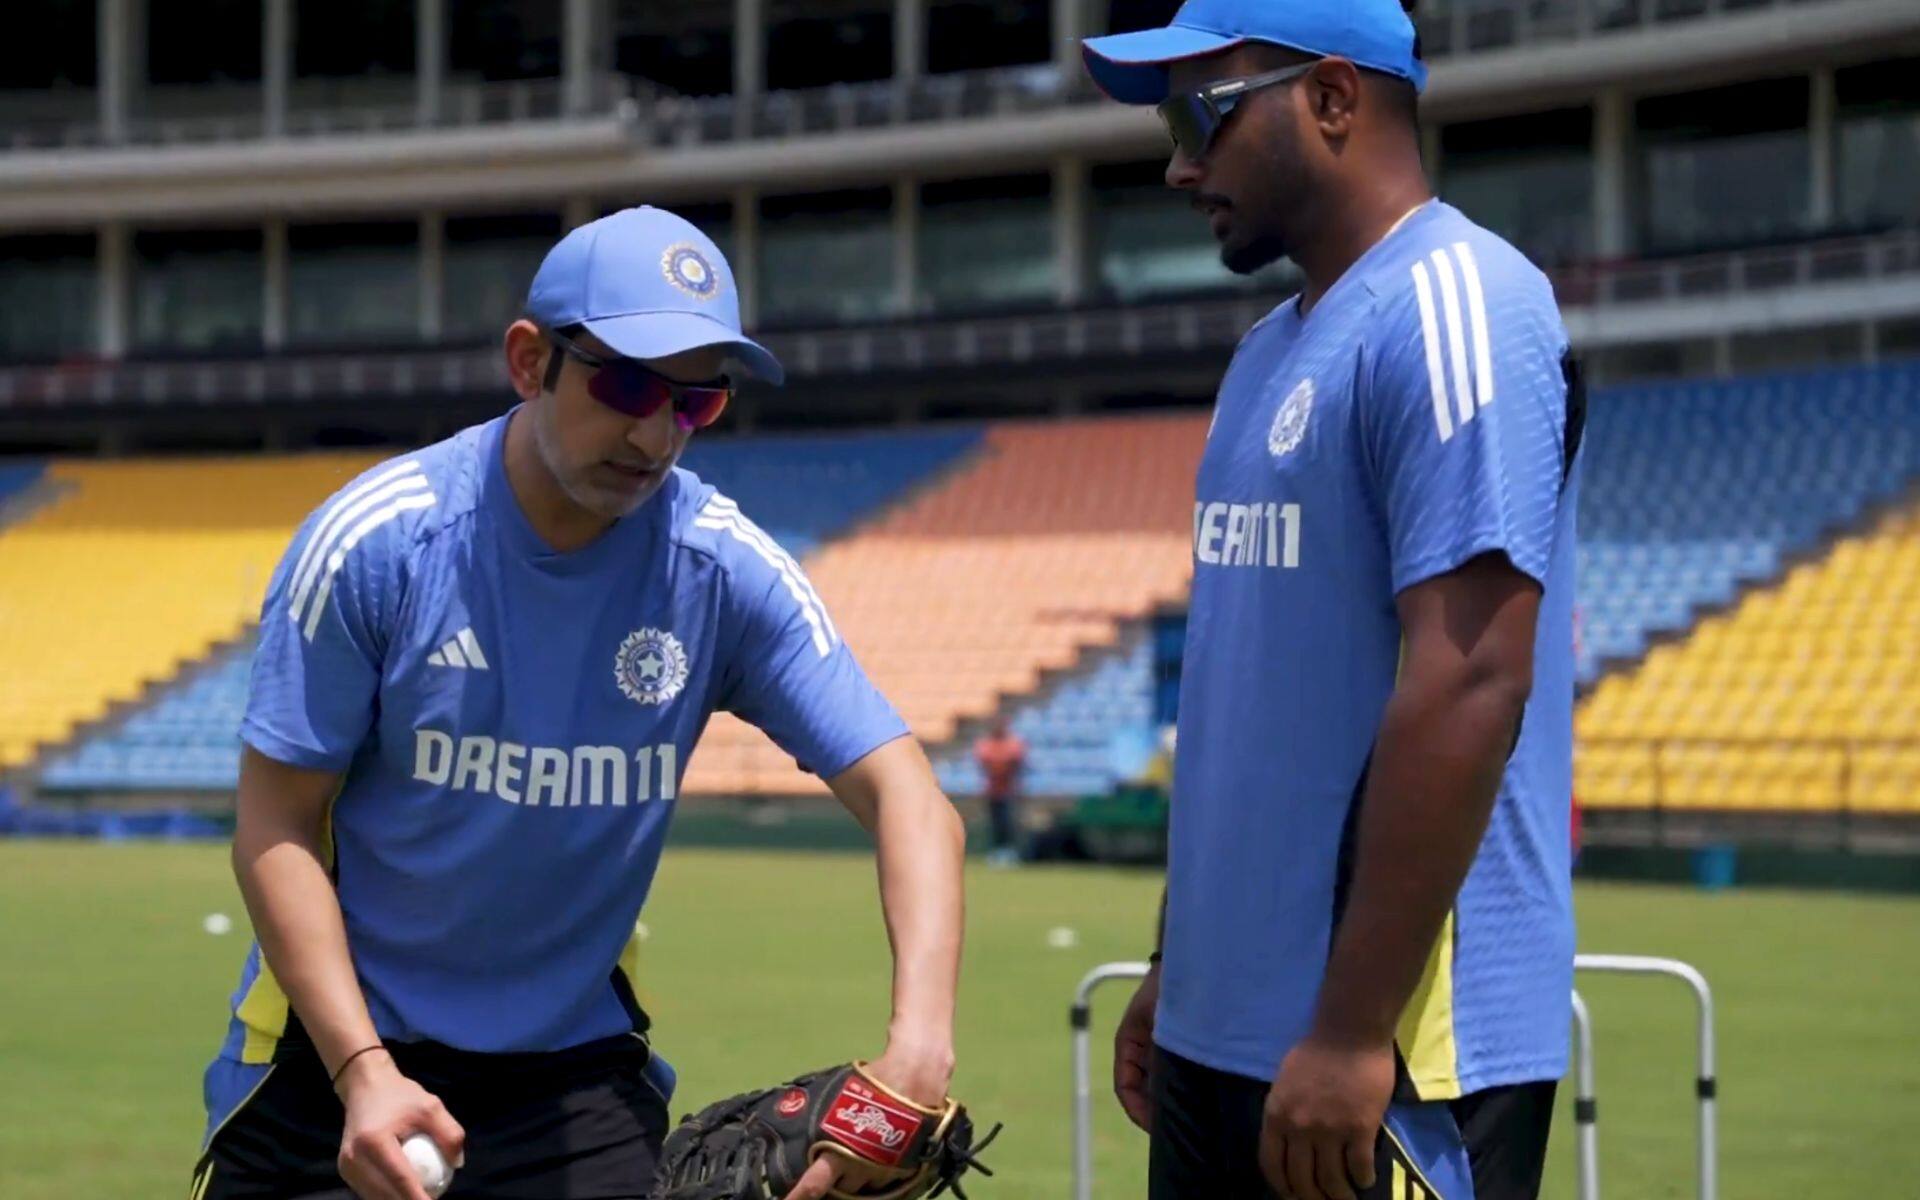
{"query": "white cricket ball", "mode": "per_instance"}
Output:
(217, 924)
(429, 1165)
(1062, 938)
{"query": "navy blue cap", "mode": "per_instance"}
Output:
(1377, 34)
(648, 284)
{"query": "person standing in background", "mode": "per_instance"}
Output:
(1002, 756)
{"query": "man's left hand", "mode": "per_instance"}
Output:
(920, 1071)
(1323, 1116)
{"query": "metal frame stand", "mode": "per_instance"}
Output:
(1586, 1114)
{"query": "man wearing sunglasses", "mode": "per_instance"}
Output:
(1367, 943)
(482, 669)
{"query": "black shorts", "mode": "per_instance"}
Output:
(577, 1124)
(1206, 1139)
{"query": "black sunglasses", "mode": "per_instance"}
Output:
(1194, 118)
(629, 386)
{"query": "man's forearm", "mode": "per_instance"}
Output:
(922, 846)
(1436, 769)
(296, 916)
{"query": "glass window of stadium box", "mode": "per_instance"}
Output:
(197, 289)
(811, 44)
(974, 35)
(350, 284)
(1528, 178)
(503, 39)
(47, 80)
(1726, 166)
(46, 296)
(203, 60)
(685, 46)
(1879, 143)
(353, 54)
(826, 256)
(986, 243)
(1149, 242)
(490, 261)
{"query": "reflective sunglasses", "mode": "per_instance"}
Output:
(1194, 118)
(630, 387)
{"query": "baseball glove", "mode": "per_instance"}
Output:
(755, 1146)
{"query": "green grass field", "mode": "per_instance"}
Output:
(112, 996)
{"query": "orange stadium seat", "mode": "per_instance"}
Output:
(1038, 550)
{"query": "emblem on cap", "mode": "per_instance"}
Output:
(688, 269)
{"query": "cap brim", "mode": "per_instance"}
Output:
(659, 334)
(1132, 67)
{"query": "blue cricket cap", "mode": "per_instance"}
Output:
(1376, 34)
(648, 284)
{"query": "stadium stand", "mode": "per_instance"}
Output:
(806, 489)
(1046, 544)
(1806, 696)
(15, 479)
(810, 488)
(134, 570)
(1694, 491)
(1069, 728)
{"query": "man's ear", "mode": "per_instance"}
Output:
(1332, 91)
(527, 350)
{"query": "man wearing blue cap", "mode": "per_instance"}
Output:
(1367, 945)
(482, 668)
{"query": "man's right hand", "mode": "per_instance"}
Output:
(384, 1108)
(1133, 1052)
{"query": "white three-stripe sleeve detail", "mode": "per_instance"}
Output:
(452, 651)
(339, 556)
(723, 506)
(302, 585)
(1436, 376)
(794, 589)
(437, 659)
(314, 552)
(1456, 336)
(1477, 313)
(471, 645)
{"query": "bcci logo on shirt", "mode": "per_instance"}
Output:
(650, 666)
(1290, 423)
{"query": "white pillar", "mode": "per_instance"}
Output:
(273, 301)
(1822, 103)
(582, 30)
(429, 57)
(909, 40)
(433, 274)
(276, 64)
(749, 62)
(1069, 26)
(906, 246)
(115, 45)
(113, 287)
(1612, 174)
(577, 211)
(745, 258)
(1073, 257)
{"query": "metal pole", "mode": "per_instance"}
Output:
(1080, 1017)
(1586, 1107)
(1706, 1084)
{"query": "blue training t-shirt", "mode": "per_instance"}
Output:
(513, 725)
(1414, 419)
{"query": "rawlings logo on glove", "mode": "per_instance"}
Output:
(755, 1146)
